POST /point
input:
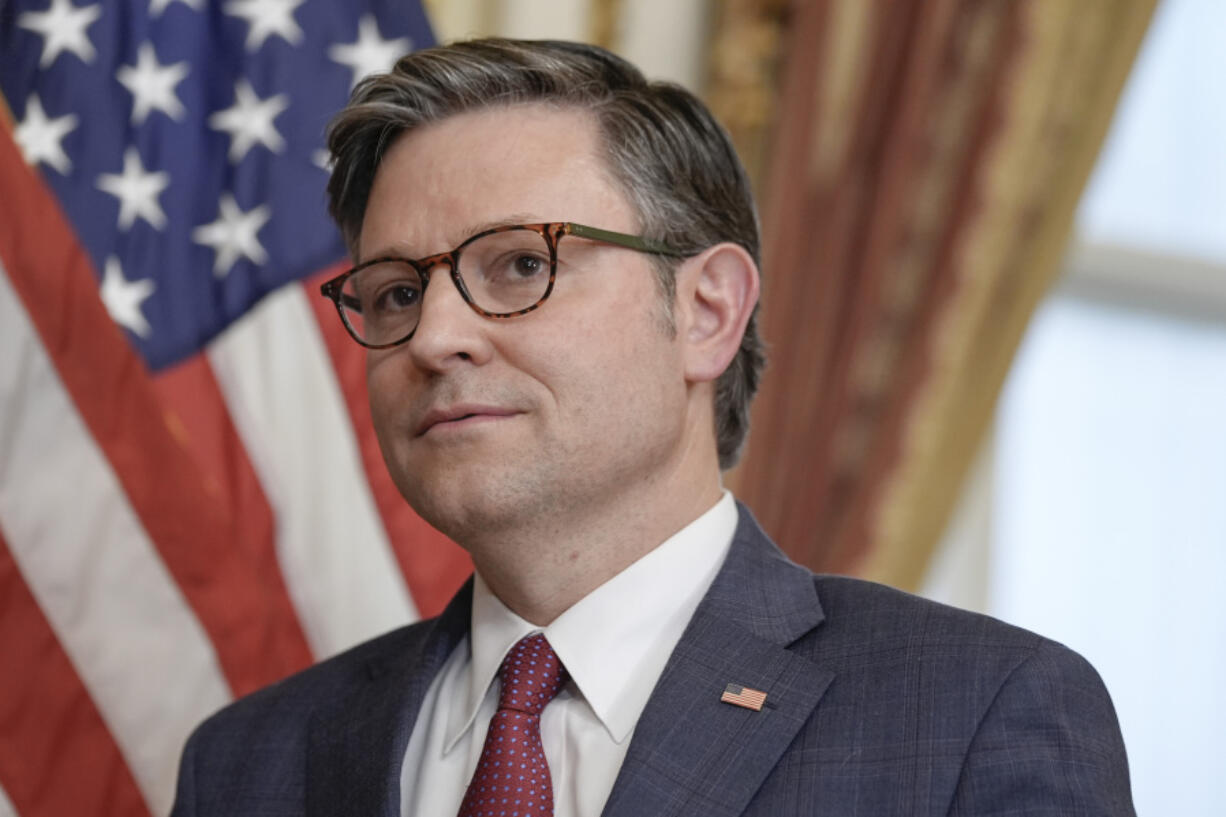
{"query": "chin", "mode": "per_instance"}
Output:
(496, 504)
(461, 507)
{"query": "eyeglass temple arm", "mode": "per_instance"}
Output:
(633, 242)
(329, 289)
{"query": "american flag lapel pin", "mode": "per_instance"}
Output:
(738, 695)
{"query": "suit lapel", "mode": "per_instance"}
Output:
(357, 743)
(691, 754)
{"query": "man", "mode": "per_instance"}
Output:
(559, 394)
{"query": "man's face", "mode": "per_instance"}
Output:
(548, 419)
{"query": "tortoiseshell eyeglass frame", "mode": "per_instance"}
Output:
(552, 231)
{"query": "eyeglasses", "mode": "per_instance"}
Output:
(501, 273)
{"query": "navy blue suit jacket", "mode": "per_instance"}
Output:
(878, 703)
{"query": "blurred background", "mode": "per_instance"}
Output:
(994, 291)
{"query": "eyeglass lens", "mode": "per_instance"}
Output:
(504, 272)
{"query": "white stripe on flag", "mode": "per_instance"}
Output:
(6, 805)
(115, 609)
(283, 395)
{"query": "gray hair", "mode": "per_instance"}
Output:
(666, 152)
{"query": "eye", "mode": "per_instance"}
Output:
(527, 265)
(396, 297)
(507, 269)
(386, 289)
(515, 267)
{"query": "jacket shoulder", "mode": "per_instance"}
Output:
(254, 747)
(973, 715)
(302, 691)
(894, 619)
(869, 625)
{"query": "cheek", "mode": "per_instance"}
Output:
(570, 373)
(605, 377)
(385, 386)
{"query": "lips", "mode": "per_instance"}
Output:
(459, 413)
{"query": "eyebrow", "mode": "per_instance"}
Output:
(515, 218)
(398, 249)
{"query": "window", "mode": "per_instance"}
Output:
(1098, 512)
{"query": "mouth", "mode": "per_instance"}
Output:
(459, 417)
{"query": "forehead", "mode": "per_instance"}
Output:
(442, 182)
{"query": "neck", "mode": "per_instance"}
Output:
(541, 570)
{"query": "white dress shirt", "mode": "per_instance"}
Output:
(615, 642)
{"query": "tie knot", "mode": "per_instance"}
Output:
(531, 675)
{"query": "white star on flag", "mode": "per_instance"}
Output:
(152, 84)
(40, 138)
(250, 120)
(123, 298)
(371, 53)
(62, 27)
(137, 191)
(266, 18)
(156, 7)
(234, 235)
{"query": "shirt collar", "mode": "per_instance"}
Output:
(616, 640)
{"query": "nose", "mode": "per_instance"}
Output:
(449, 332)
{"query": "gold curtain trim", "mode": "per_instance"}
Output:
(1065, 86)
(604, 26)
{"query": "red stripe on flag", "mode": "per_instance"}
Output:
(197, 414)
(245, 618)
(433, 565)
(56, 755)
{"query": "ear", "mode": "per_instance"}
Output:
(717, 291)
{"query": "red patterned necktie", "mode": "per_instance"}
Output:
(512, 777)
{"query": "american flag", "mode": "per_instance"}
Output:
(192, 501)
(743, 696)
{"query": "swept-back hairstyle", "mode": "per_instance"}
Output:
(669, 156)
